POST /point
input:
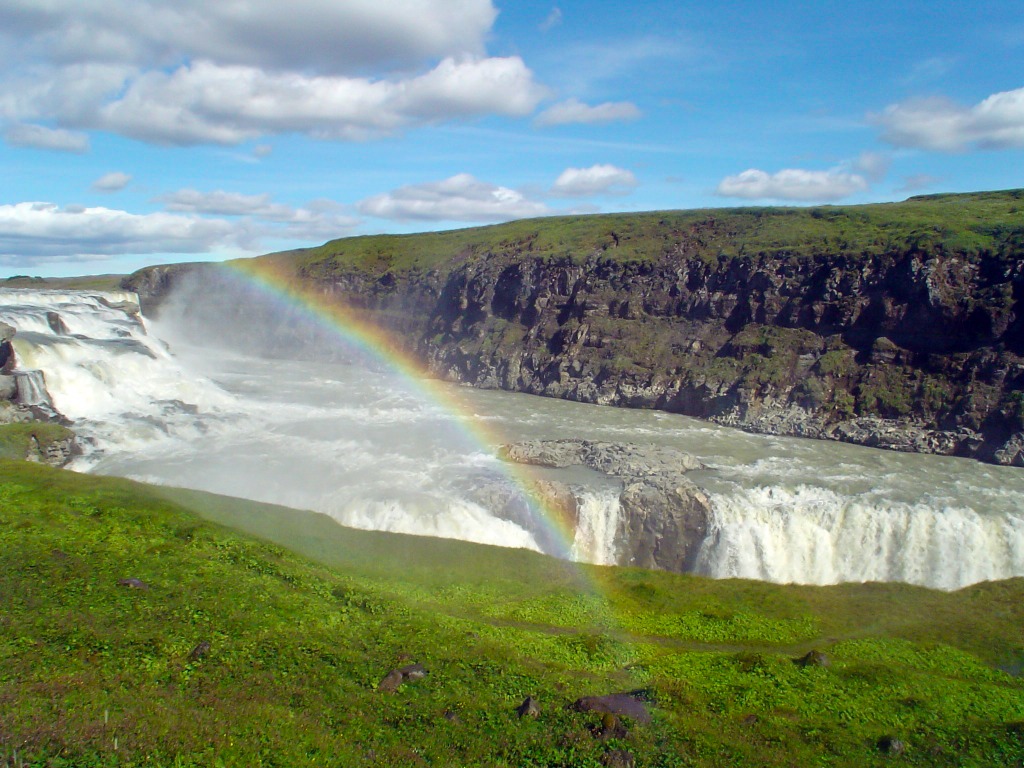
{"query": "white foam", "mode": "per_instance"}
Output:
(814, 535)
(598, 521)
(367, 449)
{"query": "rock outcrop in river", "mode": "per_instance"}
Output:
(663, 516)
(899, 326)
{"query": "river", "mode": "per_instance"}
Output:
(373, 447)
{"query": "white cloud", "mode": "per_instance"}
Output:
(459, 198)
(41, 137)
(30, 230)
(553, 20)
(939, 124)
(319, 220)
(873, 165)
(575, 111)
(221, 203)
(206, 103)
(793, 184)
(112, 182)
(321, 35)
(189, 72)
(34, 232)
(596, 180)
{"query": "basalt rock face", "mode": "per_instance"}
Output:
(916, 348)
(911, 351)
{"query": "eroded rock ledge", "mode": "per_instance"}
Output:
(663, 515)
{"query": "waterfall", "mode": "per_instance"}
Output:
(31, 388)
(87, 355)
(596, 526)
(366, 448)
(813, 535)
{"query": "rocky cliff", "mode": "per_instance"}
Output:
(900, 326)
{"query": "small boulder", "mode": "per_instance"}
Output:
(199, 651)
(392, 680)
(611, 728)
(413, 672)
(632, 705)
(528, 708)
(813, 658)
(132, 583)
(890, 745)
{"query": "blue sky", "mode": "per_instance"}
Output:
(137, 132)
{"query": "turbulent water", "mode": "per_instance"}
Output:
(373, 449)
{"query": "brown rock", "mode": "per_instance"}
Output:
(392, 680)
(528, 708)
(132, 583)
(631, 705)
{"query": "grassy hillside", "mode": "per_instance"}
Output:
(84, 283)
(965, 223)
(108, 590)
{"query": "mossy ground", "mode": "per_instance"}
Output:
(983, 222)
(93, 673)
(21, 440)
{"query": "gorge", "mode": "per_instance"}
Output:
(897, 325)
(332, 379)
(349, 436)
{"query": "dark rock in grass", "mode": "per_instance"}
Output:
(393, 679)
(618, 758)
(528, 708)
(452, 717)
(890, 745)
(413, 672)
(632, 705)
(813, 659)
(611, 728)
(132, 583)
(199, 651)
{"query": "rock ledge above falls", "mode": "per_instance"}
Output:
(664, 516)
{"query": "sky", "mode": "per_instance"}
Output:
(138, 132)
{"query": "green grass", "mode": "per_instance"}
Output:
(969, 224)
(19, 441)
(93, 673)
(83, 283)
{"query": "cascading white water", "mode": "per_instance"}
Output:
(596, 526)
(810, 534)
(369, 450)
(31, 388)
(365, 452)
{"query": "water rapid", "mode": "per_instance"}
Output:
(173, 402)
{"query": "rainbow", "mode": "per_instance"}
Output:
(281, 285)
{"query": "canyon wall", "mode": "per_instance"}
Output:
(909, 344)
